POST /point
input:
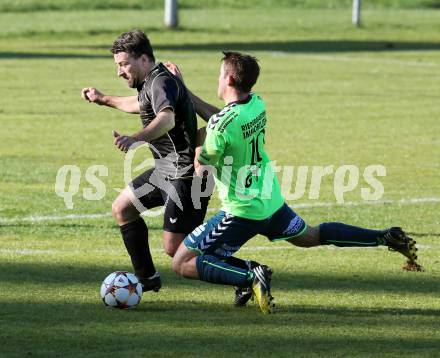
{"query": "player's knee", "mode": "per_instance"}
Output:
(178, 266)
(181, 266)
(169, 249)
(122, 212)
(171, 242)
(313, 233)
(117, 210)
(310, 238)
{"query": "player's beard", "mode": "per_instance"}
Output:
(136, 78)
(135, 82)
(132, 83)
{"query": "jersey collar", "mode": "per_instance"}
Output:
(156, 67)
(243, 101)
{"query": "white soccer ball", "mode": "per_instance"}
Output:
(121, 289)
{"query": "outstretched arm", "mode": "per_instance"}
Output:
(127, 104)
(203, 109)
(201, 135)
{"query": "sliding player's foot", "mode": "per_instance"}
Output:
(261, 288)
(397, 240)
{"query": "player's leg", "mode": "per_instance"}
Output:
(296, 232)
(337, 234)
(308, 238)
(135, 232)
(343, 235)
(208, 245)
(171, 242)
(123, 210)
(285, 224)
(180, 218)
(192, 216)
(184, 263)
(202, 255)
(242, 294)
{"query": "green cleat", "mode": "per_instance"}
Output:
(261, 288)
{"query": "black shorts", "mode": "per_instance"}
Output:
(181, 214)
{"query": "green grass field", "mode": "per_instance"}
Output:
(335, 95)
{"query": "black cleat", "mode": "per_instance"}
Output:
(244, 294)
(152, 283)
(397, 240)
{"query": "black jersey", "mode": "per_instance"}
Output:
(174, 151)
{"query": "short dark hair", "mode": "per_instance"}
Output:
(244, 69)
(135, 43)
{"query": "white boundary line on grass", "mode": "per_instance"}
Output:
(412, 201)
(37, 218)
(115, 251)
(111, 251)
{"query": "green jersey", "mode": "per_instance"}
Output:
(244, 175)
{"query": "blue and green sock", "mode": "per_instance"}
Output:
(213, 269)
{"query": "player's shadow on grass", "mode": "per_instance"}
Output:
(358, 312)
(331, 281)
(158, 308)
(306, 46)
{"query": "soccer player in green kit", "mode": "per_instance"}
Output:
(250, 194)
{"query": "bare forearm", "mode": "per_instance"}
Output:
(203, 109)
(126, 104)
(162, 124)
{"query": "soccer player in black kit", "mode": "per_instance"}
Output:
(169, 125)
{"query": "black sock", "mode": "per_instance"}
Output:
(135, 236)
